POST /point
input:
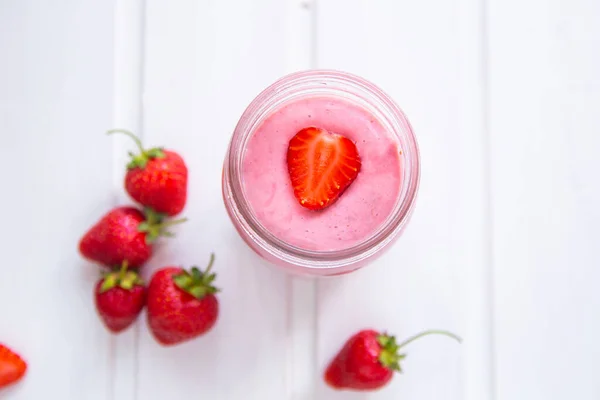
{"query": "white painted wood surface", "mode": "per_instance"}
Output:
(56, 85)
(500, 249)
(545, 136)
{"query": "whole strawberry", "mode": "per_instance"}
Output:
(156, 178)
(124, 233)
(181, 305)
(368, 360)
(12, 367)
(120, 296)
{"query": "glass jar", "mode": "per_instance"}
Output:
(331, 84)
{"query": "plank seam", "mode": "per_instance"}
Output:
(485, 51)
(128, 114)
(302, 332)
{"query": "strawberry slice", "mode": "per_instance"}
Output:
(321, 165)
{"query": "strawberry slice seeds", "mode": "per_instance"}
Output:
(321, 165)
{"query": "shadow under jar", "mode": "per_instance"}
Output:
(368, 216)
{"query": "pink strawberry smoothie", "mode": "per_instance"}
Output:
(359, 211)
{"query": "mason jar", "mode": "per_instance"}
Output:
(366, 218)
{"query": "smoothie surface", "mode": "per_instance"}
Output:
(359, 211)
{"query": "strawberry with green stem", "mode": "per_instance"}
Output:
(182, 305)
(369, 359)
(156, 178)
(120, 297)
(125, 233)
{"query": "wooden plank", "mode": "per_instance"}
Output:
(203, 65)
(424, 281)
(302, 331)
(472, 214)
(128, 70)
(56, 93)
(545, 97)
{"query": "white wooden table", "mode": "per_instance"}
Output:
(504, 96)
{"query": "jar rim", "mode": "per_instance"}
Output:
(307, 83)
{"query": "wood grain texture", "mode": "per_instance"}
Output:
(56, 82)
(545, 97)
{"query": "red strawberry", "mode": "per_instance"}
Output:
(120, 297)
(321, 165)
(368, 360)
(156, 178)
(181, 305)
(125, 233)
(12, 367)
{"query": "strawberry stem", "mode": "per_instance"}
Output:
(124, 267)
(210, 263)
(110, 281)
(154, 230)
(196, 282)
(121, 277)
(429, 332)
(390, 356)
(139, 160)
(137, 140)
(171, 222)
